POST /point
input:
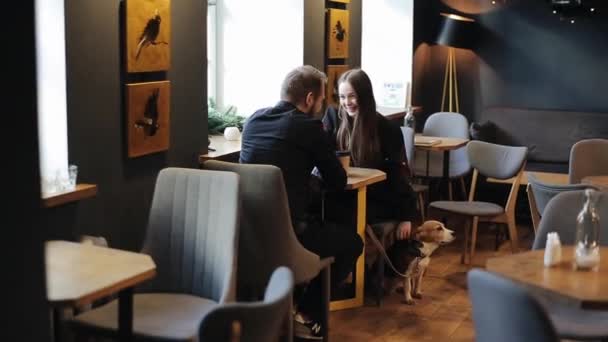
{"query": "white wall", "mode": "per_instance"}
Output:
(387, 28)
(258, 42)
(52, 103)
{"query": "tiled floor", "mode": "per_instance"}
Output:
(444, 312)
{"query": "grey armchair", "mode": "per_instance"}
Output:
(252, 321)
(267, 238)
(505, 312)
(588, 158)
(410, 151)
(451, 125)
(559, 216)
(491, 160)
(192, 237)
(540, 193)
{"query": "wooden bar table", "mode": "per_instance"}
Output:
(78, 274)
(359, 179)
(221, 149)
(589, 288)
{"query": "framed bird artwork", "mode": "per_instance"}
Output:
(338, 33)
(148, 123)
(148, 41)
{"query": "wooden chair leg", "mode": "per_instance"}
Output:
(450, 192)
(288, 324)
(421, 205)
(513, 234)
(465, 243)
(474, 236)
(325, 295)
(463, 187)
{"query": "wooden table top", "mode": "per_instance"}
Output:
(588, 287)
(359, 177)
(78, 273)
(545, 177)
(599, 181)
(429, 143)
(222, 148)
(396, 113)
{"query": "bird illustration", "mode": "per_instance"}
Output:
(150, 34)
(150, 119)
(339, 31)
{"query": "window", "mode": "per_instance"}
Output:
(387, 49)
(251, 47)
(51, 90)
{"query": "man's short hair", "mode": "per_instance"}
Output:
(301, 81)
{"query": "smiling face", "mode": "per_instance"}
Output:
(348, 98)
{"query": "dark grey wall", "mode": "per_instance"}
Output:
(315, 28)
(22, 240)
(96, 119)
(526, 57)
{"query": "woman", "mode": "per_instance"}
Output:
(373, 142)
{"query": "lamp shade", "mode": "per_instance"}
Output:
(456, 31)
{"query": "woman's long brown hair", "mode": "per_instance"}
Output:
(359, 134)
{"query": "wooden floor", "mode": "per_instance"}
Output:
(444, 312)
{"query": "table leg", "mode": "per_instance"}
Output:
(446, 170)
(125, 314)
(360, 265)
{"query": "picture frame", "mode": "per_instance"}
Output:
(148, 117)
(148, 35)
(338, 33)
(333, 75)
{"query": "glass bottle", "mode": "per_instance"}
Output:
(587, 243)
(410, 119)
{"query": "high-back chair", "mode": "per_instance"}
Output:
(496, 161)
(540, 193)
(504, 311)
(560, 216)
(267, 238)
(588, 158)
(449, 125)
(410, 151)
(258, 321)
(192, 237)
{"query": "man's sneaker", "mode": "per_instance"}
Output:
(306, 328)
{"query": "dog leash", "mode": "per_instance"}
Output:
(378, 245)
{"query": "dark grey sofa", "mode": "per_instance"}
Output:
(548, 134)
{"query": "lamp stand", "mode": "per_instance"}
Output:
(450, 84)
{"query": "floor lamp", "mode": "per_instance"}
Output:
(455, 31)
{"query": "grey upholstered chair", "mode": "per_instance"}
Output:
(560, 216)
(450, 125)
(192, 237)
(490, 160)
(588, 158)
(410, 151)
(259, 321)
(267, 238)
(505, 312)
(540, 193)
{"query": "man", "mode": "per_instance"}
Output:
(289, 137)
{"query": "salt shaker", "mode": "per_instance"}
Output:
(553, 250)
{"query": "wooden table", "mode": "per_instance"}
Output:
(588, 288)
(598, 181)
(78, 274)
(439, 144)
(396, 113)
(545, 177)
(359, 179)
(222, 149)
